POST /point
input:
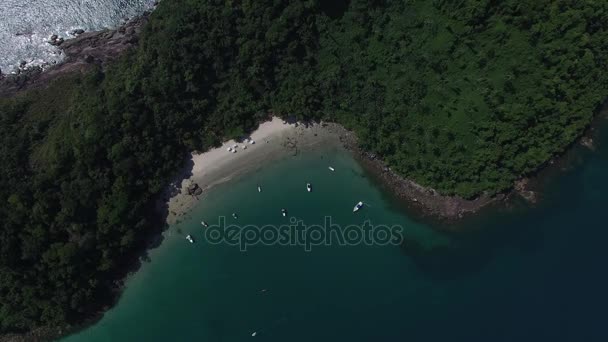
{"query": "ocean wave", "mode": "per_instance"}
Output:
(26, 26)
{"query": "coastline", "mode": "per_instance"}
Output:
(82, 53)
(278, 138)
(274, 139)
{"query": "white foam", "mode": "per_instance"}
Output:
(26, 25)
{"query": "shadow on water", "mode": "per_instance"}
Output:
(516, 226)
(152, 237)
(466, 254)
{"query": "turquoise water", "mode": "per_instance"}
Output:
(514, 275)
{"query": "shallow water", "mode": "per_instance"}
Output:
(516, 275)
(26, 25)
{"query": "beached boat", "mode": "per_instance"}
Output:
(308, 187)
(205, 224)
(189, 238)
(229, 149)
(358, 207)
(284, 212)
(331, 169)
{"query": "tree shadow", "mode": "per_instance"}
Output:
(467, 254)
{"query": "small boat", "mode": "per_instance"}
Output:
(205, 224)
(358, 207)
(259, 188)
(308, 187)
(189, 238)
(251, 142)
(229, 149)
(234, 216)
(235, 146)
(234, 151)
(331, 169)
(254, 333)
(284, 212)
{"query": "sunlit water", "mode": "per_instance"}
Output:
(516, 275)
(26, 25)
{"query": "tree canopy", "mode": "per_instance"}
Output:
(463, 96)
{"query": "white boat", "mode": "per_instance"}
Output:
(229, 149)
(189, 238)
(234, 151)
(358, 207)
(259, 188)
(234, 215)
(331, 169)
(254, 333)
(235, 146)
(205, 224)
(284, 212)
(308, 187)
(251, 142)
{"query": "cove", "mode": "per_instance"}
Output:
(526, 274)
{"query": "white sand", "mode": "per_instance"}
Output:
(219, 159)
(218, 165)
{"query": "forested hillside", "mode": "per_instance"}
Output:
(463, 96)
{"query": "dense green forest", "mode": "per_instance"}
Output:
(464, 96)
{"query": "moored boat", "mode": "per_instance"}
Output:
(284, 212)
(205, 224)
(358, 207)
(308, 187)
(331, 169)
(189, 238)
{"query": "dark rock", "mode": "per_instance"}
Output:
(56, 41)
(89, 58)
(194, 189)
(54, 37)
(22, 64)
(77, 32)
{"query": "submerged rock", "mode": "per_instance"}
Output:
(587, 142)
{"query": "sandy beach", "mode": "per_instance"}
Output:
(272, 140)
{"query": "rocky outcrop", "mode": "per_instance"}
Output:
(429, 200)
(587, 142)
(81, 53)
(523, 189)
(194, 190)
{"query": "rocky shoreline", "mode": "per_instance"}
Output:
(82, 53)
(429, 201)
